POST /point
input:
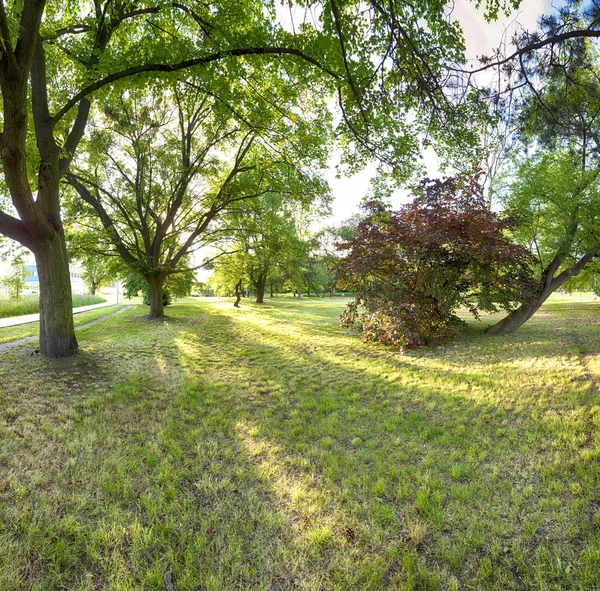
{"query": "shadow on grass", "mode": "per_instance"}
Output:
(238, 454)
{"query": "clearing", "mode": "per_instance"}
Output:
(265, 449)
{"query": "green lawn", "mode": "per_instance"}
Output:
(264, 448)
(31, 329)
(31, 305)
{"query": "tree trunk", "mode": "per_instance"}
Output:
(299, 294)
(518, 317)
(260, 289)
(93, 288)
(548, 284)
(238, 293)
(57, 333)
(155, 293)
(271, 294)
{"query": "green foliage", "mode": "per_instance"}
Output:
(555, 203)
(265, 245)
(134, 283)
(178, 285)
(89, 248)
(205, 180)
(181, 285)
(412, 269)
(166, 296)
(15, 280)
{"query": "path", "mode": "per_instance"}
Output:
(10, 344)
(27, 318)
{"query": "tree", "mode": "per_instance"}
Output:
(555, 191)
(383, 64)
(413, 268)
(15, 280)
(263, 242)
(158, 190)
(557, 208)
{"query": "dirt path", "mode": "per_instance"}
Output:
(10, 344)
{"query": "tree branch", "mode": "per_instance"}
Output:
(15, 229)
(200, 61)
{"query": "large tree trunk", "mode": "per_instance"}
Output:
(260, 289)
(39, 225)
(57, 333)
(519, 316)
(155, 295)
(547, 285)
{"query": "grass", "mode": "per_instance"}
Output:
(264, 448)
(31, 304)
(12, 333)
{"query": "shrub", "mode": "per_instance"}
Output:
(411, 269)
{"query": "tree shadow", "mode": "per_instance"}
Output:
(237, 453)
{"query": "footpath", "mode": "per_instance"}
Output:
(10, 344)
(27, 318)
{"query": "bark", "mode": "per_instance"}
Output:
(238, 293)
(93, 288)
(57, 334)
(547, 285)
(271, 290)
(260, 285)
(155, 293)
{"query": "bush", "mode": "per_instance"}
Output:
(411, 269)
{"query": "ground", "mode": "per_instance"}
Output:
(265, 448)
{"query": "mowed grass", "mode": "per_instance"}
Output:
(31, 304)
(264, 448)
(12, 333)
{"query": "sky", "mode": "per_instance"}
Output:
(480, 38)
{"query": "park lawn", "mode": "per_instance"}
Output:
(20, 331)
(264, 448)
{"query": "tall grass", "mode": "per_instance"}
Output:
(31, 304)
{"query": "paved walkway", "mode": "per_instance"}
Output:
(10, 344)
(15, 320)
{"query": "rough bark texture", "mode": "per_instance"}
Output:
(155, 293)
(547, 285)
(57, 333)
(260, 285)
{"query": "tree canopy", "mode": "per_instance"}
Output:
(387, 65)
